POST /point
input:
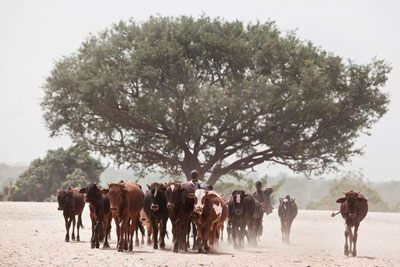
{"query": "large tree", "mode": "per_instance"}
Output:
(220, 97)
(59, 169)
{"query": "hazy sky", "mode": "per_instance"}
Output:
(36, 33)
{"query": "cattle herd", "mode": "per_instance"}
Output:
(193, 208)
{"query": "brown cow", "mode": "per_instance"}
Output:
(126, 201)
(180, 208)
(210, 212)
(353, 208)
(71, 202)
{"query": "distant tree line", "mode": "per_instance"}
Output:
(58, 169)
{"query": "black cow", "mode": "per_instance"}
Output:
(240, 211)
(287, 211)
(155, 206)
(71, 202)
(101, 206)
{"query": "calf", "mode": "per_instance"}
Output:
(353, 208)
(180, 208)
(155, 206)
(101, 213)
(126, 201)
(210, 213)
(240, 211)
(71, 202)
(145, 219)
(287, 211)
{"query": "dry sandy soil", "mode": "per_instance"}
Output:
(32, 234)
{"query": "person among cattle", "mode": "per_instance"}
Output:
(353, 208)
(264, 197)
(287, 211)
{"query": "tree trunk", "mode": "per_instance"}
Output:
(214, 177)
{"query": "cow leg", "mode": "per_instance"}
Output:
(131, 233)
(346, 236)
(234, 235)
(149, 234)
(122, 236)
(195, 233)
(155, 231)
(137, 235)
(351, 239)
(200, 237)
(78, 226)
(107, 231)
(73, 228)
(355, 235)
(99, 232)
(283, 230)
(163, 230)
(67, 224)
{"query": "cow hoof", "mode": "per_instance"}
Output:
(346, 253)
(162, 245)
(73, 238)
(67, 239)
(175, 250)
(106, 246)
(136, 243)
(120, 249)
(155, 246)
(354, 253)
(92, 245)
(78, 239)
(142, 242)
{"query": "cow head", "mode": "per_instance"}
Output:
(238, 201)
(352, 199)
(267, 205)
(157, 195)
(92, 192)
(200, 197)
(286, 202)
(174, 195)
(116, 194)
(62, 196)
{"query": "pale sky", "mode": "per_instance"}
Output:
(36, 33)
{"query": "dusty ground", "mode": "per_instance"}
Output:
(32, 234)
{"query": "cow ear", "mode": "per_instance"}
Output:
(148, 186)
(211, 195)
(104, 191)
(281, 200)
(190, 195)
(234, 192)
(292, 200)
(362, 199)
(341, 200)
(83, 190)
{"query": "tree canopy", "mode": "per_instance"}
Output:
(57, 170)
(213, 95)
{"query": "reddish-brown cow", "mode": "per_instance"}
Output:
(353, 208)
(71, 202)
(126, 201)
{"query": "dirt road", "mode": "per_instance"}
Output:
(32, 234)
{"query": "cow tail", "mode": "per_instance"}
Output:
(140, 225)
(80, 222)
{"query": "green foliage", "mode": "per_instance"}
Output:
(355, 182)
(58, 169)
(218, 96)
